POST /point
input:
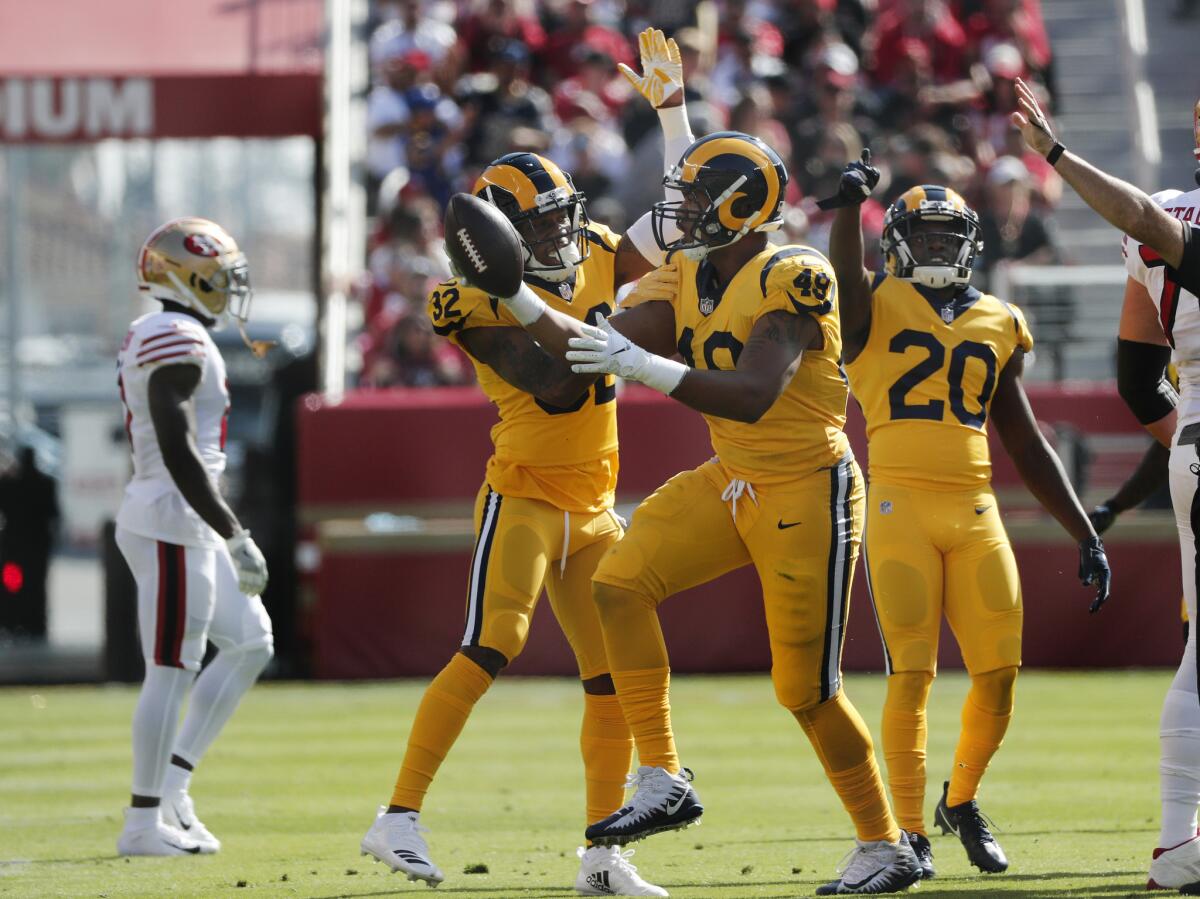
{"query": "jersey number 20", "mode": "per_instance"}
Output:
(933, 410)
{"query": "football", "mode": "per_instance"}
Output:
(484, 245)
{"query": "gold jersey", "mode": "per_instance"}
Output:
(802, 431)
(566, 456)
(925, 380)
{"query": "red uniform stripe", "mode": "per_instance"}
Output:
(161, 336)
(161, 617)
(172, 605)
(180, 606)
(180, 341)
(174, 354)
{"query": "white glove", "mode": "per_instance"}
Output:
(605, 351)
(249, 562)
(662, 67)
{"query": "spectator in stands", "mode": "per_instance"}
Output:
(493, 23)
(902, 26)
(496, 102)
(830, 97)
(414, 29)
(579, 27)
(432, 140)
(1018, 23)
(409, 356)
(1011, 228)
(387, 109)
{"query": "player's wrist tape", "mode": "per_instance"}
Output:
(1142, 380)
(1055, 152)
(526, 306)
(662, 374)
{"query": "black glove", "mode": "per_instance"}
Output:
(1094, 570)
(857, 182)
(1102, 517)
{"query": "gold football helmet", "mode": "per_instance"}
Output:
(197, 264)
(931, 236)
(541, 201)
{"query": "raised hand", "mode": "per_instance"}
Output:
(662, 67)
(1031, 121)
(857, 181)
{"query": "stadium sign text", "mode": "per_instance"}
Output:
(58, 109)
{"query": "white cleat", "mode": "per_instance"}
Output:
(606, 871)
(156, 839)
(179, 811)
(396, 841)
(879, 867)
(1177, 868)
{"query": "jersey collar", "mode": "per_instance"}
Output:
(709, 291)
(564, 289)
(949, 311)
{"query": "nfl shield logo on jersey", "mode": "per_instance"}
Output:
(565, 290)
(948, 313)
(707, 305)
(885, 507)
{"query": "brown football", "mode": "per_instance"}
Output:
(484, 245)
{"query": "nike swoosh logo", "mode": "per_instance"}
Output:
(618, 352)
(673, 807)
(179, 818)
(194, 850)
(979, 510)
(784, 527)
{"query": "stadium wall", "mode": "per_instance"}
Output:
(387, 478)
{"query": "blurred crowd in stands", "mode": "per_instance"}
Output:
(927, 85)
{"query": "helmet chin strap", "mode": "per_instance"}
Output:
(259, 348)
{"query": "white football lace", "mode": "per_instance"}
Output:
(621, 861)
(734, 490)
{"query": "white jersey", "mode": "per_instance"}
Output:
(153, 505)
(1178, 309)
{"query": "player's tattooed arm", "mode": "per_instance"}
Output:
(516, 357)
(764, 368)
(172, 413)
(1037, 464)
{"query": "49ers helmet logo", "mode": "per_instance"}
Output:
(202, 245)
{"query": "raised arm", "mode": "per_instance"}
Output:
(846, 253)
(1120, 203)
(1043, 474)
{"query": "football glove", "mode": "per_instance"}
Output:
(662, 67)
(857, 181)
(1094, 570)
(249, 563)
(605, 351)
(659, 284)
(1102, 517)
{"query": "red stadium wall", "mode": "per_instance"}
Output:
(390, 605)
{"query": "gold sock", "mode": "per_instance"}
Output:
(647, 709)
(985, 717)
(904, 737)
(444, 710)
(607, 748)
(633, 643)
(843, 744)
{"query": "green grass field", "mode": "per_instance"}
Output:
(294, 781)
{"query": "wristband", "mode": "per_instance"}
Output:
(662, 374)
(1055, 152)
(526, 306)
